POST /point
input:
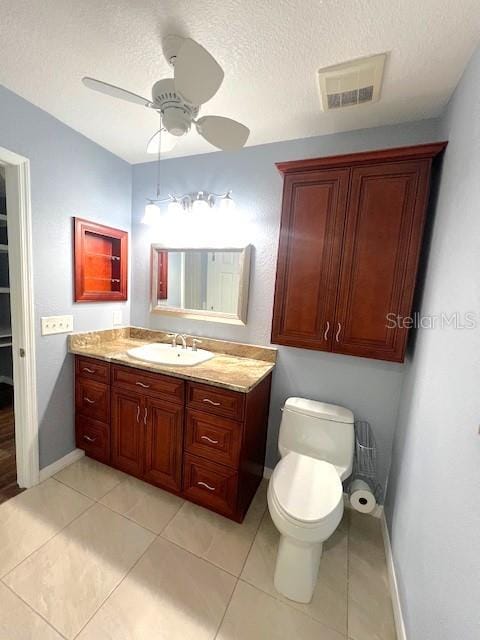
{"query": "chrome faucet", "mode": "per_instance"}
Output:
(195, 341)
(174, 337)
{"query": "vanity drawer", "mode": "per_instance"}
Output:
(92, 369)
(210, 485)
(154, 384)
(212, 437)
(92, 399)
(222, 402)
(94, 438)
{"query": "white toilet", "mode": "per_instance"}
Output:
(305, 495)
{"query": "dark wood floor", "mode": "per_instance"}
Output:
(8, 467)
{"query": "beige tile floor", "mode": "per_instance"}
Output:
(94, 554)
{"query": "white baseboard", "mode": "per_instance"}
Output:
(60, 464)
(392, 581)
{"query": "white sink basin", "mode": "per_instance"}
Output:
(160, 353)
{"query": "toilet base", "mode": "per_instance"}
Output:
(296, 571)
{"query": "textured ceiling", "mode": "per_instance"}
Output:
(270, 51)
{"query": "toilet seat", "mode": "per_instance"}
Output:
(306, 490)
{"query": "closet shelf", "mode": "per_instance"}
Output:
(3, 219)
(5, 344)
(4, 289)
(4, 248)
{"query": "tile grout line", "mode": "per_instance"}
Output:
(237, 580)
(275, 597)
(206, 559)
(94, 501)
(114, 588)
(35, 612)
(85, 495)
(156, 537)
(90, 506)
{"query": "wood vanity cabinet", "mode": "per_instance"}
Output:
(196, 440)
(350, 240)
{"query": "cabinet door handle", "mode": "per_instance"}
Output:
(145, 416)
(207, 486)
(338, 332)
(89, 400)
(326, 331)
(208, 439)
(215, 404)
(138, 413)
(141, 384)
(89, 439)
(88, 370)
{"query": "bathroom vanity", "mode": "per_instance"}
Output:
(199, 432)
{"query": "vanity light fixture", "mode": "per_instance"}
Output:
(199, 202)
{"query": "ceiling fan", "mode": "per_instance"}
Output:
(197, 78)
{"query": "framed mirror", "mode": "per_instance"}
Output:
(205, 284)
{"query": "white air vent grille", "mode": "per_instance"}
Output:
(352, 83)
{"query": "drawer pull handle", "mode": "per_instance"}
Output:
(89, 439)
(138, 413)
(208, 401)
(141, 384)
(88, 370)
(88, 400)
(208, 439)
(145, 416)
(207, 486)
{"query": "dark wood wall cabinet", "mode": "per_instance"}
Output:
(350, 240)
(198, 441)
(100, 262)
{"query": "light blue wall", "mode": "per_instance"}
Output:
(70, 176)
(370, 388)
(433, 501)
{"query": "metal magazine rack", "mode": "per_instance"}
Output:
(365, 465)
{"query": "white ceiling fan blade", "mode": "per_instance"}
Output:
(223, 133)
(115, 92)
(167, 142)
(198, 75)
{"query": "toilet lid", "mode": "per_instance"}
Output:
(307, 489)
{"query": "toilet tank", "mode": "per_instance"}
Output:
(320, 430)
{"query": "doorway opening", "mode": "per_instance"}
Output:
(8, 465)
(19, 464)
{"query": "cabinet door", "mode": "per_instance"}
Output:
(163, 443)
(313, 215)
(383, 231)
(127, 431)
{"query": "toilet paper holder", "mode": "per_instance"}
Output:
(365, 462)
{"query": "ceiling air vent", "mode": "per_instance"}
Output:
(351, 83)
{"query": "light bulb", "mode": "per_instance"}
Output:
(227, 203)
(200, 205)
(174, 207)
(152, 214)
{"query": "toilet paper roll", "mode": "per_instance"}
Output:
(361, 497)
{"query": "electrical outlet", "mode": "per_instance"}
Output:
(56, 324)
(117, 316)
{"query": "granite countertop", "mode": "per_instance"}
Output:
(235, 366)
